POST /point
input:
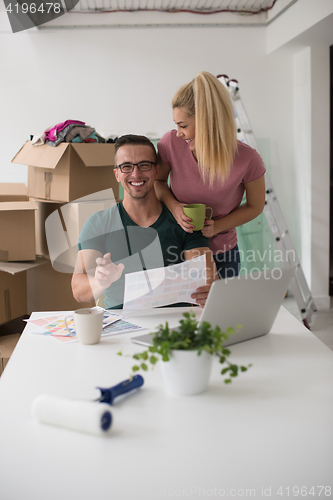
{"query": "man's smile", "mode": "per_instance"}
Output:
(137, 183)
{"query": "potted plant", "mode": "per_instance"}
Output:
(187, 354)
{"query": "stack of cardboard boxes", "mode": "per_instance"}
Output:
(56, 176)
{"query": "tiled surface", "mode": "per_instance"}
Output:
(321, 323)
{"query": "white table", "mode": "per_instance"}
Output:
(267, 432)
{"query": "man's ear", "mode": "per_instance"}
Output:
(157, 169)
(115, 171)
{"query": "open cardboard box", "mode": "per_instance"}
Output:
(26, 287)
(49, 290)
(58, 226)
(68, 171)
(17, 224)
(13, 288)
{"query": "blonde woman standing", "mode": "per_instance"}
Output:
(207, 164)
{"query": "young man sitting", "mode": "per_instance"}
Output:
(137, 234)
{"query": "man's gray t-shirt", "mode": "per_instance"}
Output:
(138, 248)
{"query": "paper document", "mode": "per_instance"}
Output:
(54, 326)
(164, 285)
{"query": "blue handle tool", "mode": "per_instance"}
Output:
(108, 395)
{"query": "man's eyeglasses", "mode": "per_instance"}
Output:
(143, 166)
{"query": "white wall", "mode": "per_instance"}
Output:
(116, 80)
(302, 142)
(305, 31)
(123, 80)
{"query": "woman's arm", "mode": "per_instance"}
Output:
(254, 205)
(164, 194)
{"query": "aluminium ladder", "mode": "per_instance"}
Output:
(272, 210)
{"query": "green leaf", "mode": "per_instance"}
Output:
(189, 336)
(227, 381)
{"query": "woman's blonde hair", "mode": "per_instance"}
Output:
(207, 99)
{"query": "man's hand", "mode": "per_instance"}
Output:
(208, 230)
(106, 271)
(201, 294)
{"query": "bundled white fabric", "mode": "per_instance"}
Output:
(83, 416)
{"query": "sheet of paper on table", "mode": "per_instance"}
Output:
(165, 285)
(53, 325)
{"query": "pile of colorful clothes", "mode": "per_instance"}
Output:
(68, 131)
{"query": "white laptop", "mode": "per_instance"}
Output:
(252, 301)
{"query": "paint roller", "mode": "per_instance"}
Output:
(93, 417)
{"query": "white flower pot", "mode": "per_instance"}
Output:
(186, 373)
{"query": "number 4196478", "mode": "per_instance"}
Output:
(32, 8)
(304, 491)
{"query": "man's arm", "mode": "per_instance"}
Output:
(93, 274)
(201, 293)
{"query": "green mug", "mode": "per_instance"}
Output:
(197, 212)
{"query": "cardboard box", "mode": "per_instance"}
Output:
(13, 295)
(68, 171)
(58, 226)
(49, 290)
(13, 192)
(7, 346)
(17, 224)
(44, 209)
(34, 286)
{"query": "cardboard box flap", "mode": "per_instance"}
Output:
(40, 156)
(95, 155)
(13, 189)
(14, 205)
(19, 267)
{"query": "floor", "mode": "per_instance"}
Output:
(321, 321)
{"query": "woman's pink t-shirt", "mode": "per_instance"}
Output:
(188, 187)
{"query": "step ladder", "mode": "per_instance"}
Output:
(272, 210)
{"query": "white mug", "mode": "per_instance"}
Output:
(88, 325)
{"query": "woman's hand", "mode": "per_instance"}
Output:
(183, 220)
(208, 229)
